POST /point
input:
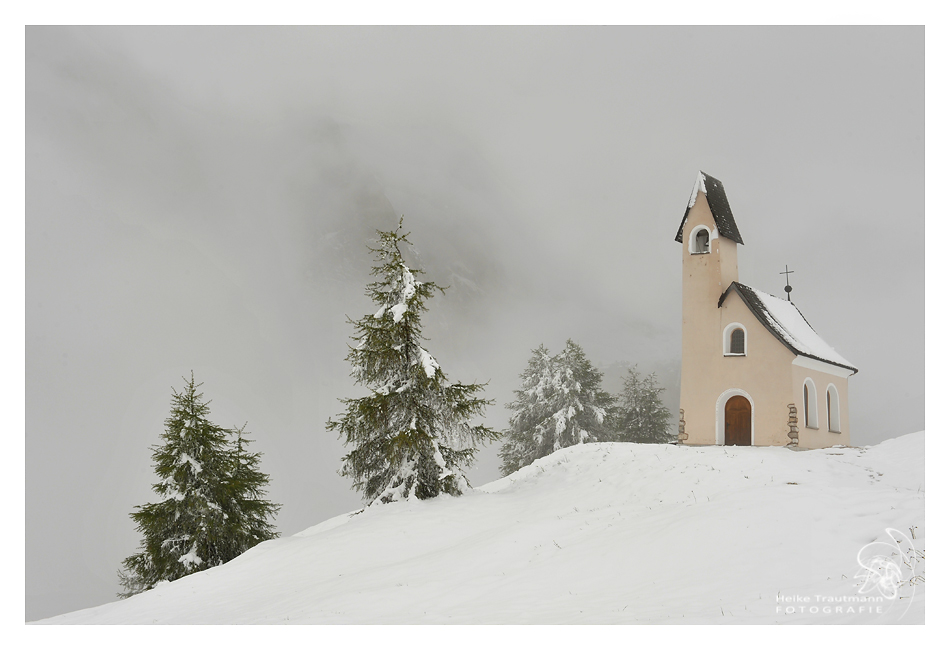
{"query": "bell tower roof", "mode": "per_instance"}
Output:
(718, 204)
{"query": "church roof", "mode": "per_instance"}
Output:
(718, 205)
(783, 319)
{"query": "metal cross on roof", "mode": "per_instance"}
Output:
(788, 286)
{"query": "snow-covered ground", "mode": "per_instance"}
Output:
(599, 533)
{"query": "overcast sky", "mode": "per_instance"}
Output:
(201, 198)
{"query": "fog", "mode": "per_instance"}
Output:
(200, 199)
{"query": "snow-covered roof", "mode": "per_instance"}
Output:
(718, 205)
(788, 325)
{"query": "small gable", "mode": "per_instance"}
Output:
(786, 323)
(718, 205)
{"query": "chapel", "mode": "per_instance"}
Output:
(754, 371)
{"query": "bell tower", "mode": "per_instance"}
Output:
(709, 239)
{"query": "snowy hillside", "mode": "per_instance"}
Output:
(600, 533)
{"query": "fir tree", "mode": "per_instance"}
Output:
(248, 510)
(640, 415)
(411, 437)
(211, 508)
(560, 404)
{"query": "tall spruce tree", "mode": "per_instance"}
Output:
(640, 415)
(212, 507)
(560, 403)
(411, 437)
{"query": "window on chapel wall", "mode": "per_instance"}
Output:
(699, 242)
(810, 402)
(737, 341)
(734, 340)
(834, 409)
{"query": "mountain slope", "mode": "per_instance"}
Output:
(599, 533)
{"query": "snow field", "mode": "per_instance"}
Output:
(596, 533)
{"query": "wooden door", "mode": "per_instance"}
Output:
(738, 421)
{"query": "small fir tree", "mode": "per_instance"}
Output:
(560, 404)
(212, 507)
(640, 415)
(411, 437)
(248, 510)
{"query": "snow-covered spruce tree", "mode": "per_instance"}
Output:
(211, 508)
(560, 404)
(411, 437)
(640, 415)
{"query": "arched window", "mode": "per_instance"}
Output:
(699, 240)
(702, 241)
(737, 342)
(734, 340)
(811, 404)
(834, 412)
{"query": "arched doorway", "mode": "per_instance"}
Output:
(738, 421)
